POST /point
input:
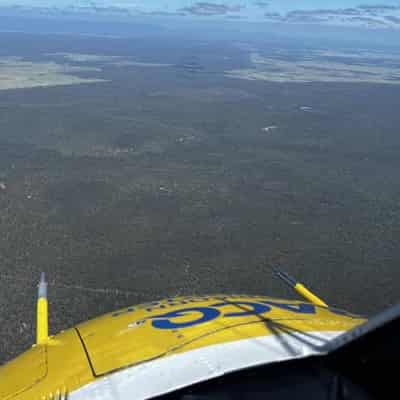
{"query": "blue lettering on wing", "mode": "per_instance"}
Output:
(165, 321)
(200, 315)
(255, 308)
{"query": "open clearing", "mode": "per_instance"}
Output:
(322, 67)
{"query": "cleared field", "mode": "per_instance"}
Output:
(16, 73)
(120, 61)
(322, 67)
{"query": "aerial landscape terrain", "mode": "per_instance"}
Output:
(164, 164)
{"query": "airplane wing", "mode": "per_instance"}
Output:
(160, 347)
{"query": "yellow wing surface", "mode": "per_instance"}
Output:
(168, 344)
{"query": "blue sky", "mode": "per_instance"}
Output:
(372, 13)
